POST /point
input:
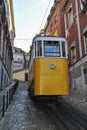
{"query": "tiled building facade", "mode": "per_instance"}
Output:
(7, 34)
(72, 24)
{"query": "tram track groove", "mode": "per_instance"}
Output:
(57, 121)
(75, 114)
(64, 119)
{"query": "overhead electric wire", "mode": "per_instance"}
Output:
(20, 39)
(45, 14)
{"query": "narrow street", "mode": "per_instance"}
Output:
(23, 114)
(43, 49)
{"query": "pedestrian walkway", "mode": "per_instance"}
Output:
(15, 114)
(6, 96)
(23, 114)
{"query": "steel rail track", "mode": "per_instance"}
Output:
(74, 114)
(65, 116)
(64, 119)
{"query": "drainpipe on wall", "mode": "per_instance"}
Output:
(80, 46)
(78, 27)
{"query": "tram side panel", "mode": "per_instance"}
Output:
(31, 77)
(49, 80)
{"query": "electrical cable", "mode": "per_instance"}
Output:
(44, 14)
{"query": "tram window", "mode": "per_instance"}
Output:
(39, 48)
(52, 48)
(63, 49)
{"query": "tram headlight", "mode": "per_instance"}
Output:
(52, 66)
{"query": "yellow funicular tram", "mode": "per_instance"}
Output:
(48, 66)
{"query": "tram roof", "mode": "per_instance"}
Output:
(52, 38)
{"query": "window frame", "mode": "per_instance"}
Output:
(70, 16)
(59, 52)
(36, 49)
(73, 52)
(85, 41)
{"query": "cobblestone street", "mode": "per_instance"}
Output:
(23, 114)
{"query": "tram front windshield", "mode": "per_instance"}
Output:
(51, 49)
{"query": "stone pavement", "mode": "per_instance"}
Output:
(6, 96)
(78, 99)
(23, 114)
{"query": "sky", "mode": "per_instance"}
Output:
(30, 16)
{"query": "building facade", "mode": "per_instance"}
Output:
(55, 22)
(68, 18)
(18, 59)
(7, 35)
(75, 15)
